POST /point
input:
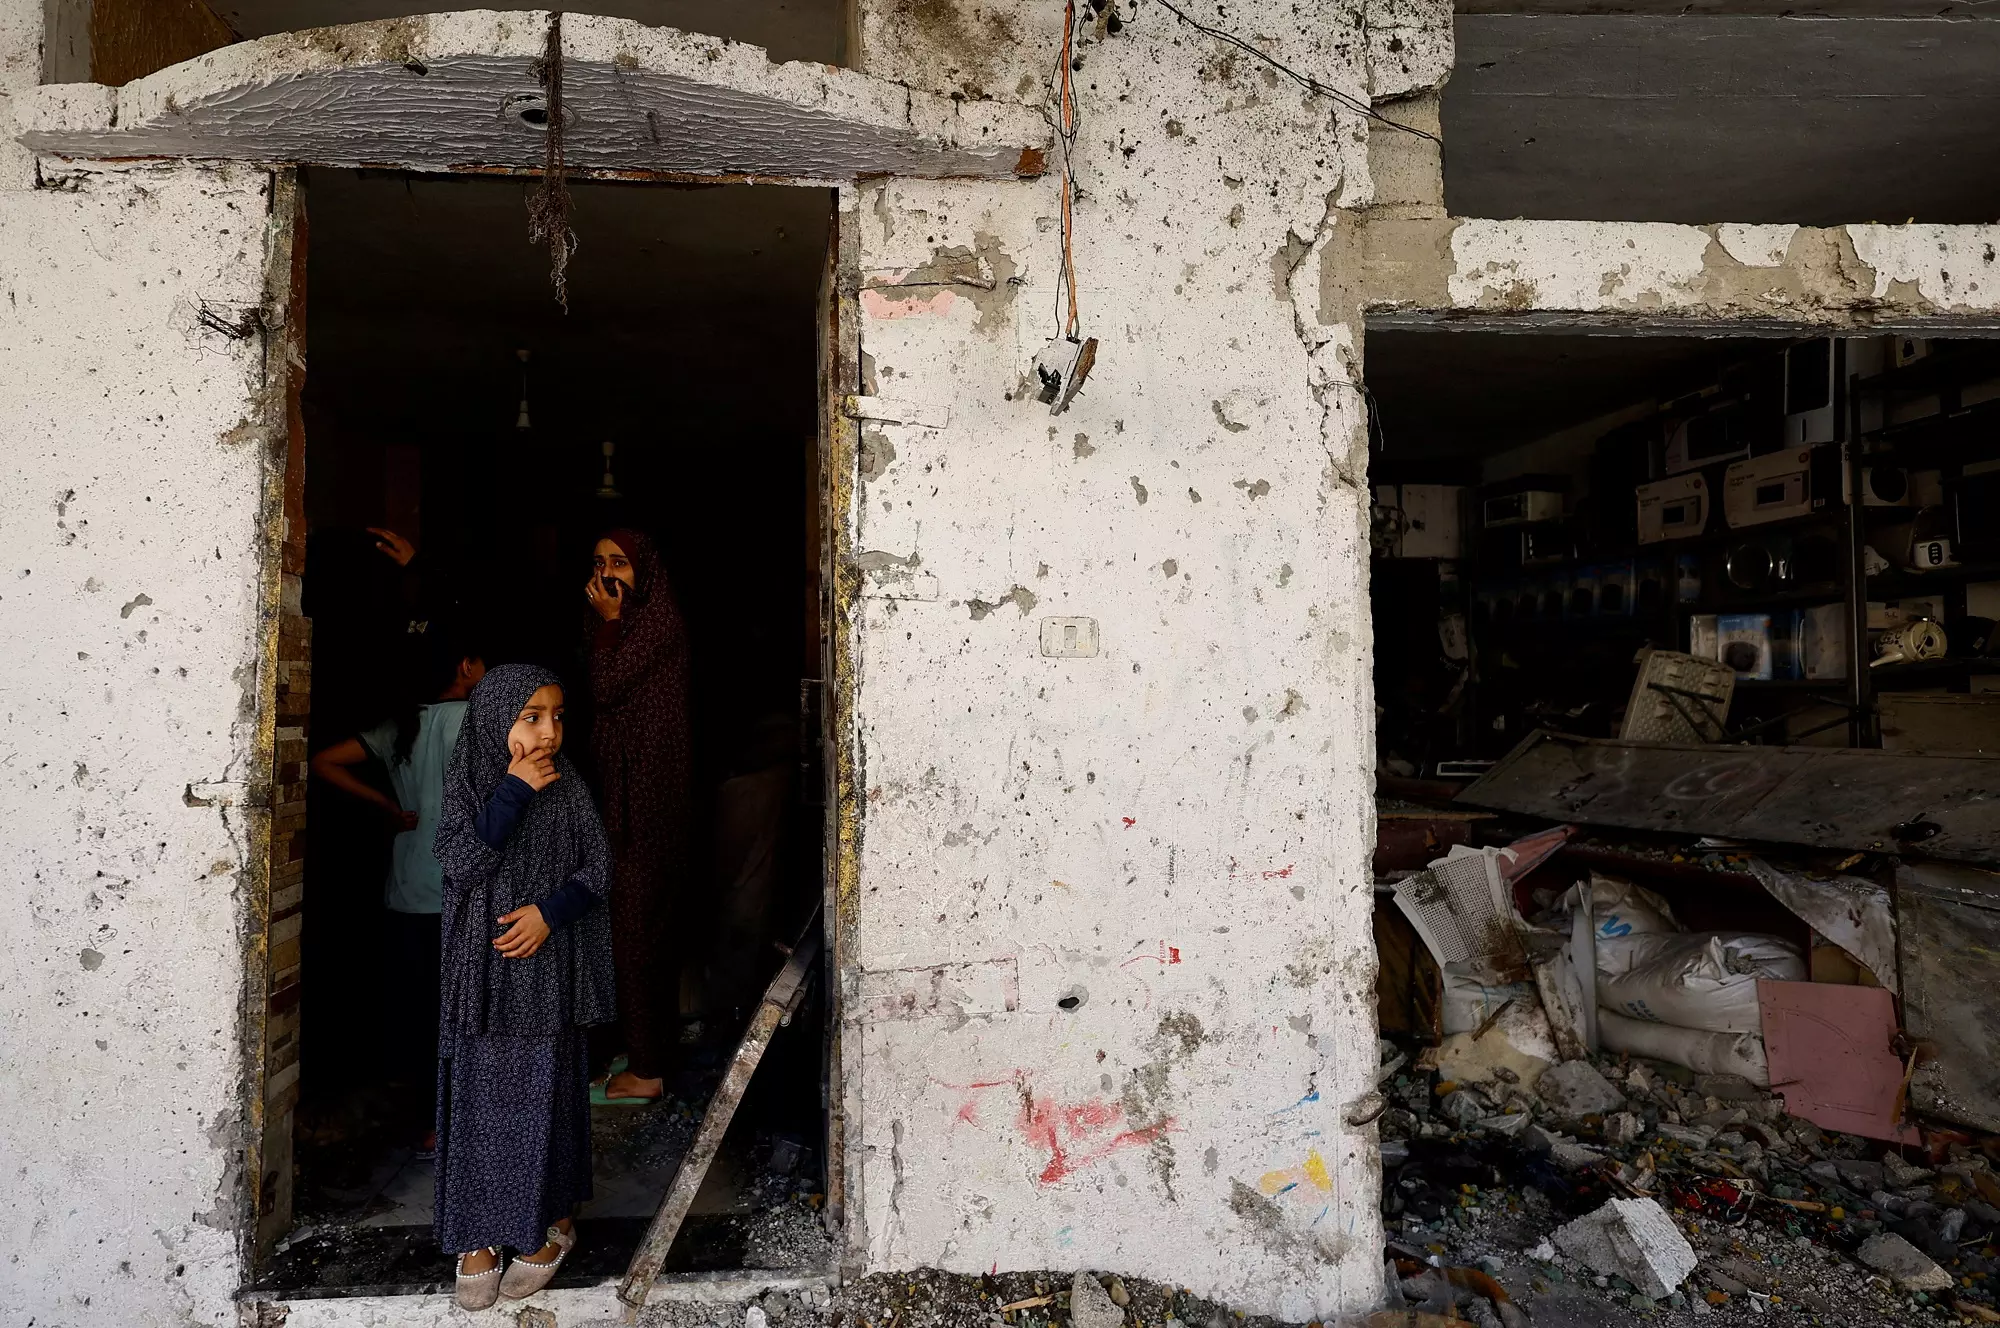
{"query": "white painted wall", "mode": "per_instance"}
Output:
(128, 615)
(20, 70)
(1176, 831)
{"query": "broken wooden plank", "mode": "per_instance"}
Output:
(1822, 797)
(457, 91)
(781, 1000)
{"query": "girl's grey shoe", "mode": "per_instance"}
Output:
(477, 1291)
(525, 1277)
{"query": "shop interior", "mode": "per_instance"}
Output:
(451, 399)
(1688, 710)
(1548, 505)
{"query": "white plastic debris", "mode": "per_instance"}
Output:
(1633, 1239)
(1707, 1053)
(1703, 979)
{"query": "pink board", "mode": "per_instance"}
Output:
(1833, 1057)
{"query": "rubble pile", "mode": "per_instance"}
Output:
(1675, 1195)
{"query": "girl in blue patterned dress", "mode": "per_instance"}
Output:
(526, 968)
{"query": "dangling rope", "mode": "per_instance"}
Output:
(1066, 136)
(549, 203)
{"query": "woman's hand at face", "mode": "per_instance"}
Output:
(525, 934)
(536, 768)
(393, 545)
(608, 603)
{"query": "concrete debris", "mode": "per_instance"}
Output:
(1773, 1206)
(1633, 1239)
(1573, 1156)
(1898, 1174)
(1575, 1089)
(1090, 1305)
(1511, 1125)
(1905, 1264)
(1622, 1127)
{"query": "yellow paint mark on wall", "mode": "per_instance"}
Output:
(1315, 1170)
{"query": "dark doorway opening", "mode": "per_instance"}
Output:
(450, 399)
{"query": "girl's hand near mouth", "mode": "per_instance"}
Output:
(536, 769)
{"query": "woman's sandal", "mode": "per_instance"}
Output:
(525, 1277)
(600, 1089)
(478, 1291)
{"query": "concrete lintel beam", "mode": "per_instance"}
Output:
(459, 91)
(1726, 277)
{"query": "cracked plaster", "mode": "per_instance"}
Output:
(1721, 276)
(1110, 823)
(133, 615)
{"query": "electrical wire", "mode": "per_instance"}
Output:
(1305, 81)
(1066, 138)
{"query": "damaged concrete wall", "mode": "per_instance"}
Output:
(135, 612)
(20, 70)
(1109, 963)
(1597, 272)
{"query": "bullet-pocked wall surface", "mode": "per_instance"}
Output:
(1111, 993)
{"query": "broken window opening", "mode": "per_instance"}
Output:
(680, 397)
(1688, 733)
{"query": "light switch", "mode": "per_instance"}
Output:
(1069, 638)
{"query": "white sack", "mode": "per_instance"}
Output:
(1468, 1001)
(1620, 908)
(1704, 1053)
(1705, 980)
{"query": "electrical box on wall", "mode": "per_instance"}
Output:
(1434, 521)
(1791, 483)
(1675, 508)
(1431, 523)
(1701, 439)
(1521, 507)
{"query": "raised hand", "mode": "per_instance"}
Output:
(394, 545)
(608, 603)
(536, 768)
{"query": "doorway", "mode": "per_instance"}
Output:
(451, 400)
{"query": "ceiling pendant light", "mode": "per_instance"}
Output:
(608, 487)
(521, 420)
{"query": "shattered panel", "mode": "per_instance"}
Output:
(1940, 806)
(1948, 938)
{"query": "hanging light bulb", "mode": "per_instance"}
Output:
(608, 487)
(521, 420)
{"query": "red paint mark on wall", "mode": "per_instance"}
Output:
(1279, 874)
(877, 305)
(1165, 956)
(1078, 1135)
(1129, 821)
(1071, 1136)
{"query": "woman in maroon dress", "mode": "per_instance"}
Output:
(639, 687)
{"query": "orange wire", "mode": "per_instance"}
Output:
(1068, 128)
